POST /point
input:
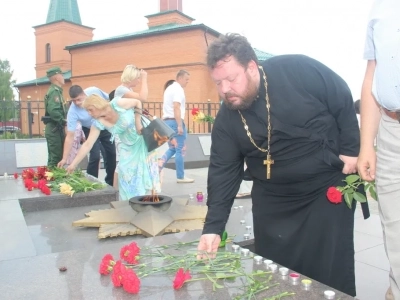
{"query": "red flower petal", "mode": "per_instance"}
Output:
(129, 253)
(106, 264)
(334, 195)
(116, 276)
(195, 111)
(180, 278)
(15, 175)
(130, 282)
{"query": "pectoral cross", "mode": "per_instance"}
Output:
(268, 162)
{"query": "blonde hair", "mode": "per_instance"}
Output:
(95, 101)
(130, 73)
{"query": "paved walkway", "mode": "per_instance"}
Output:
(34, 234)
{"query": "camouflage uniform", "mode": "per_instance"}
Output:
(54, 130)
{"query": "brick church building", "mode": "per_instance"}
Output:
(170, 43)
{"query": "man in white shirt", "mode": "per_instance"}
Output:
(380, 119)
(173, 114)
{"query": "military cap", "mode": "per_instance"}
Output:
(53, 71)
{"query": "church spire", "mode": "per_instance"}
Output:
(67, 10)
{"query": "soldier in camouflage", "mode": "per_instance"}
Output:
(55, 117)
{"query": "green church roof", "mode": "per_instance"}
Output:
(42, 80)
(155, 30)
(162, 29)
(67, 10)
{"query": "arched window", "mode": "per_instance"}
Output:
(48, 53)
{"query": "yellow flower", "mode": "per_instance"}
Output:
(66, 189)
(49, 175)
(199, 117)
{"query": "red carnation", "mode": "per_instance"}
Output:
(130, 282)
(42, 183)
(334, 195)
(106, 264)
(180, 278)
(195, 111)
(15, 175)
(45, 190)
(129, 253)
(28, 182)
(28, 173)
(116, 276)
(41, 172)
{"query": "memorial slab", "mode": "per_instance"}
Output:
(42, 278)
(40, 202)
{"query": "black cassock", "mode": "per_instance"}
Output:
(313, 121)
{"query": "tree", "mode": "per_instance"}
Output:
(6, 83)
(6, 92)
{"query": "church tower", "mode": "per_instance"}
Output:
(170, 5)
(63, 27)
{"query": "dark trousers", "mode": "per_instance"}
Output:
(55, 143)
(109, 156)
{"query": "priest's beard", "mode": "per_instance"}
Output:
(247, 98)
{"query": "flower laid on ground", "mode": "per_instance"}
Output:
(200, 117)
(130, 253)
(179, 263)
(49, 175)
(106, 265)
(351, 191)
(56, 179)
(181, 277)
(66, 189)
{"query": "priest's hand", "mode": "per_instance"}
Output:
(208, 246)
(350, 164)
(367, 164)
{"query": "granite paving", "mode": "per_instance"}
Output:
(44, 239)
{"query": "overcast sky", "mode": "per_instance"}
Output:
(332, 31)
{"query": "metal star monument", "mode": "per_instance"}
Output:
(122, 220)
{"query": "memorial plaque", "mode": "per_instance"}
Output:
(31, 154)
(205, 142)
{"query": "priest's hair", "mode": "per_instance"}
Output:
(231, 44)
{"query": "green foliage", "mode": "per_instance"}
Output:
(6, 83)
(16, 136)
(349, 191)
(7, 109)
(76, 180)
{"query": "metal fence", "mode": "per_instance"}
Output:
(26, 120)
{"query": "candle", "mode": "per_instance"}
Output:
(267, 262)
(329, 294)
(294, 278)
(200, 197)
(258, 259)
(283, 271)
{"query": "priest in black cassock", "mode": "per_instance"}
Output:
(293, 120)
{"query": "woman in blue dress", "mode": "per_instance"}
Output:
(137, 168)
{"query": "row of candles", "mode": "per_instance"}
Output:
(199, 196)
(284, 272)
